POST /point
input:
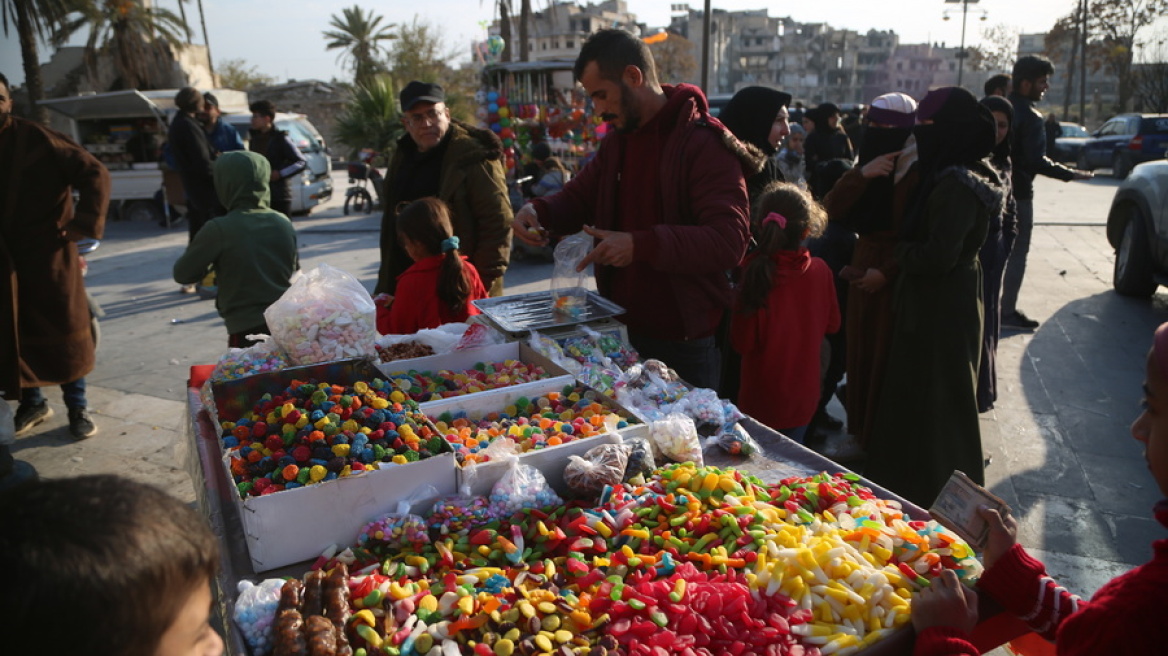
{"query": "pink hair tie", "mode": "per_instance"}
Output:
(1160, 349)
(775, 217)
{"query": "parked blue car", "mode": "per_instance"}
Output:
(1124, 141)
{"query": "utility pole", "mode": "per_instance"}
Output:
(1083, 61)
(961, 54)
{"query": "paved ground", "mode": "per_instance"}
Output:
(1062, 453)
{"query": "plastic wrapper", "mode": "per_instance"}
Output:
(255, 612)
(550, 349)
(616, 350)
(649, 389)
(262, 357)
(677, 438)
(569, 293)
(439, 341)
(734, 439)
(705, 408)
(478, 335)
(641, 464)
(600, 466)
(458, 514)
(522, 486)
(325, 315)
(398, 531)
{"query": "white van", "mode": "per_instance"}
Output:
(313, 185)
(114, 126)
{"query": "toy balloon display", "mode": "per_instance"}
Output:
(481, 113)
(493, 108)
(502, 100)
(496, 128)
(492, 96)
(480, 97)
(505, 122)
(495, 44)
(508, 142)
(503, 110)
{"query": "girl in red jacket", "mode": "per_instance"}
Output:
(439, 286)
(1128, 615)
(786, 306)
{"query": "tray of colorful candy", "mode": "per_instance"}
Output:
(698, 561)
(536, 311)
(330, 454)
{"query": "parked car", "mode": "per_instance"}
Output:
(312, 186)
(1070, 141)
(1124, 141)
(1137, 227)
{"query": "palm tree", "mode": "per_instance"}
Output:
(33, 18)
(370, 118)
(135, 36)
(359, 36)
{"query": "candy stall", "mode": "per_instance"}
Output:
(462, 492)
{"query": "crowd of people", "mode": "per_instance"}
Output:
(763, 259)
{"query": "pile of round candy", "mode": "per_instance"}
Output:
(550, 420)
(238, 363)
(314, 432)
(423, 386)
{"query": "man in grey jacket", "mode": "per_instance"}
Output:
(1031, 80)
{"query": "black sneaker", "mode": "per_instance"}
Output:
(80, 425)
(28, 416)
(1019, 321)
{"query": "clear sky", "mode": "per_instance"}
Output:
(284, 39)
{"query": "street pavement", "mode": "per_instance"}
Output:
(1062, 454)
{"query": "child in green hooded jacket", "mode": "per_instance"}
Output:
(252, 247)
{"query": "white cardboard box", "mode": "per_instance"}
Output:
(551, 460)
(299, 524)
(463, 360)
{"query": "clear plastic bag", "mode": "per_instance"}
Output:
(523, 486)
(400, 530)
(734, 439)
(478, 335)
(255, 613)
(262, 357)
(569, 293)
(600, 466)
(677, 438)
(550, 349)
(325, 315)
(640, 462)
(459, 514)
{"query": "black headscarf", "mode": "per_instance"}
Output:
(961, 134)
(751, 113)
(1000, 104)
(873, 212)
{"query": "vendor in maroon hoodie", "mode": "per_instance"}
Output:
(665, 198)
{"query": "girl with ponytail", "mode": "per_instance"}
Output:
(439, 286)
(786, 305)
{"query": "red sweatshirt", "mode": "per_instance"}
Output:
(780, 343)
(417, 306)
(1129, 615)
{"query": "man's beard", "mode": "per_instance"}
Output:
(629, 110)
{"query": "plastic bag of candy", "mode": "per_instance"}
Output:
(550, 349)
(400, 530)
(325, 315)
(620, 353)
(734, 439)
(262, 357)
(522, 486)
(458, 514)
(640, 464)
(600, 466)
(478, 335)
(255, 609)
(569, 294)
(705, 408)
(677, 438)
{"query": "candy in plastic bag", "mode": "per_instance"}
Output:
(255, 612)
(400, 530)
(478, 335)
(458, 514)
(262, 357)
(640, 462)
(325, 315)
(677, 438)
(569, 293)
(523, 486)
(734, 439)
(600, 466)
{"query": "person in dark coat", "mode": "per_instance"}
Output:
(826, 142)
(758, 117)
(999, 240)
(282, 154)
(45, 326)
(871, 200)
(195, 158)
(927, 422)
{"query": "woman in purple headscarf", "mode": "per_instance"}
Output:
(926, 422)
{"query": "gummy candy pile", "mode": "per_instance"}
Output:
(313, 432)
(423, 386)
(698, 561)
(549, 420)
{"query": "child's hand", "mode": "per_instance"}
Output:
(383, 299)
(945, 603)
(1003, 534)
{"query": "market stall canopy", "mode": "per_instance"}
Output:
(133, 103)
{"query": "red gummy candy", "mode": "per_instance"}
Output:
(259, 429)
(301, 454)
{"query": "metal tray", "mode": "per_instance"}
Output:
(534, 311)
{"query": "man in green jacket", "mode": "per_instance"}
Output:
(458, 163)
(252, 247)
